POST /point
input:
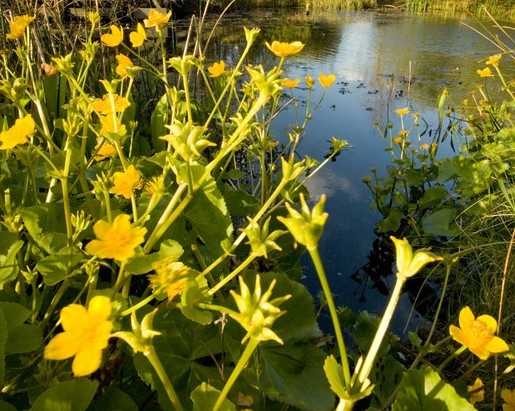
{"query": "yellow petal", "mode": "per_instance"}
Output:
(72, 316)
(489, 322)
(61, 347)
(496, 345)
(100, 306)
(101, 229)
(86, 361)
(466, 318)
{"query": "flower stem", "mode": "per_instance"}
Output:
(163, 376)
(315, 257)
(242, 362)
(380, 333)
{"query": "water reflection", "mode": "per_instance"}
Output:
(382, 62)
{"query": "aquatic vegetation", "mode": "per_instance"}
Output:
(125, 238)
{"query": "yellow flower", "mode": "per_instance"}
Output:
(123, 63)
(402, 111)
(397, 140)
(289, 83)
(509, 400)
(157, 19)
(138, 37)
(18, 133)
(326, 81)
(106, 106)
(476, 394)
(309, 81)
(112, 124)
(281, 49)
(86, 333)
(170, 277)
(106, 151)
(486, 72)
(477, 334)
(217, 69)
(117, 240)
(114, 38)
(124, 183)
(424, 147)
(18, 25)
(493, 59)
(407, 262)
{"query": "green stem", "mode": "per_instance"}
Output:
(163, 376)
(450, 358)
(345, 405)
(234, 273)
(370, 359)
(317, 261)
(242, 362)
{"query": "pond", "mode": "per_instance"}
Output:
(382, 62)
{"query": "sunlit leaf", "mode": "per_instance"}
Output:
(56, 267)
(46, 225)
(204, 398)
(74, 395)
(10, 244)
(423, 390)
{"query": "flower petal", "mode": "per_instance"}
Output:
(86, 361)
(489, 322)
(496, 345)
(466, 318)
(62, 346)
(72, 316)
(100, 306)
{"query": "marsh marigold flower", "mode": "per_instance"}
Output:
(125, 183)
(486, 72)
(105, 151)
(493, 59)
(18, 25)
(117, 240)
(123, 63)
(217, 69)
(112, 125)
(138, 37)
(401, 111)
(326, 81)
(477, 394)
(49, 69)
(86, 333)
(310, 82)
(289, 83)
(282, 49)
(477, 334)
(18, 134)
(108, 106)
(509, 400)
(171, 278)
(114, 38)
(157, 19)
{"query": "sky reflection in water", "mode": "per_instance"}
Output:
(364, 50)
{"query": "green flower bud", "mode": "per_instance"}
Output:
(409, 263)
(306, 227)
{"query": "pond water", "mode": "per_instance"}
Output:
(423, 53)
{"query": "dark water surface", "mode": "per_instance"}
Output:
(423, 53)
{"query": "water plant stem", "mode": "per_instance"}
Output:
(242, 362)
(317, 261)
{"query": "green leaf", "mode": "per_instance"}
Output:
(385, 377)
(441, 222)
(143, 263)
(188, 352)
(424, 390)
(5, 406)
(3, 341)
(208, 216)
(10, 244)
(204, 398)
(392, 222)
(21, 338)
(158, 120)
(432, 197)
(46, 225)
(56, 267)
(74, 395)
(114, 399)
(334, 374)
(294, 375)
(195, 292)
